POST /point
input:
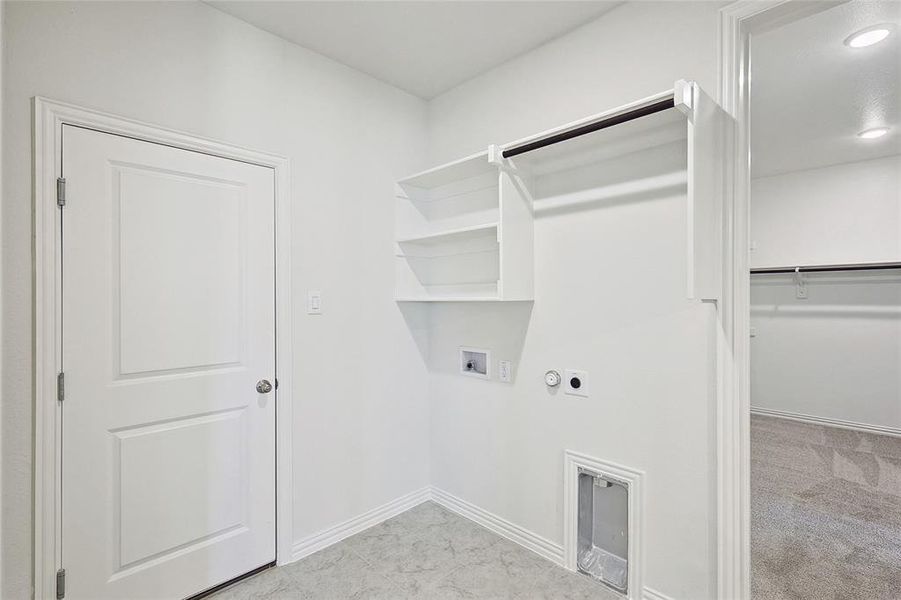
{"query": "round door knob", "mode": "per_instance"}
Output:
(263, 386)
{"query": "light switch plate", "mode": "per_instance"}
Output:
(505, 371)
(314, 302)
(575, 382)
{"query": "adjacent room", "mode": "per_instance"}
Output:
(826, 306)
(464, 299)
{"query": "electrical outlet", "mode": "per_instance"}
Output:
(505, 371)
(314, 302)
(575, 382)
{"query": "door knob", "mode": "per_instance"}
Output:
(263, 386)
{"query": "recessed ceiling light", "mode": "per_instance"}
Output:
(867, 37)
(872, 134)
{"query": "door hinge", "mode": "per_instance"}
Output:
(61, 386)
(60, 584)
(60, 191)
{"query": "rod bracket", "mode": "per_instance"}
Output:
(684, 97)
(496, 156)
(800, 284)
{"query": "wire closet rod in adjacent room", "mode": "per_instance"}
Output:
(641, 111)
(828, 268)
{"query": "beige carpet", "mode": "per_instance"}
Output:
(825, 513)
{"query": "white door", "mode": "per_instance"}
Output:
(168, 464)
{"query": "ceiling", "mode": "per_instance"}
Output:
(811, 94)
(425, 48)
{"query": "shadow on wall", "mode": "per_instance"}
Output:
(498, 326)
(417, 317)
(835, 354)
(637, 177)
(865, 295)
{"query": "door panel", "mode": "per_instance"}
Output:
(168, 323)
(204, 238)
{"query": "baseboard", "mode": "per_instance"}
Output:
(333, 535)
(490, 521)
(814, 420)
(504, 528)
(649, 594)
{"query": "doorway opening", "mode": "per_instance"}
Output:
(825, 305)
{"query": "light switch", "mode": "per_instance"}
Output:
(314, 302)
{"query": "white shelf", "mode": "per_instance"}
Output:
(449, 299)
(470, 240)
(464, 235)
(408, 255)
(464, 168)
(460, 234)
(661, 128)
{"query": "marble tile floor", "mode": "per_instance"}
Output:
(427, 552)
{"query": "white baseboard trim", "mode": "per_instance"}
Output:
(504, 528)
(490, 521)
(792, 416)
(649, 594)
(335, 534)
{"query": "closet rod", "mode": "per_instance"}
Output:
(828, 268)
(556, 138)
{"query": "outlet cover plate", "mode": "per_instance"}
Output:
(578, 377)
(505, 371)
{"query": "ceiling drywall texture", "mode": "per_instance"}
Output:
(811, 94)
(425, 48)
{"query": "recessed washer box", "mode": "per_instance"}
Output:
(475, 362)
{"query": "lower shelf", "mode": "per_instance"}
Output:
(462, 292)
(449, 299)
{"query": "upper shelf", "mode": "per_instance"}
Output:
(657, 129)
(464, 168)
(493, 193)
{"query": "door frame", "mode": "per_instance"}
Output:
(738, 22)
(49, 118)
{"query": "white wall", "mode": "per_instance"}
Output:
(2, 54)
(847, 213)
(836, 354)
(361, 415)
(609, 298)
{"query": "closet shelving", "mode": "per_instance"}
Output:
(465, 229)
(463, 233)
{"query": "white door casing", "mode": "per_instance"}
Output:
(50, 118)
(168, 309)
